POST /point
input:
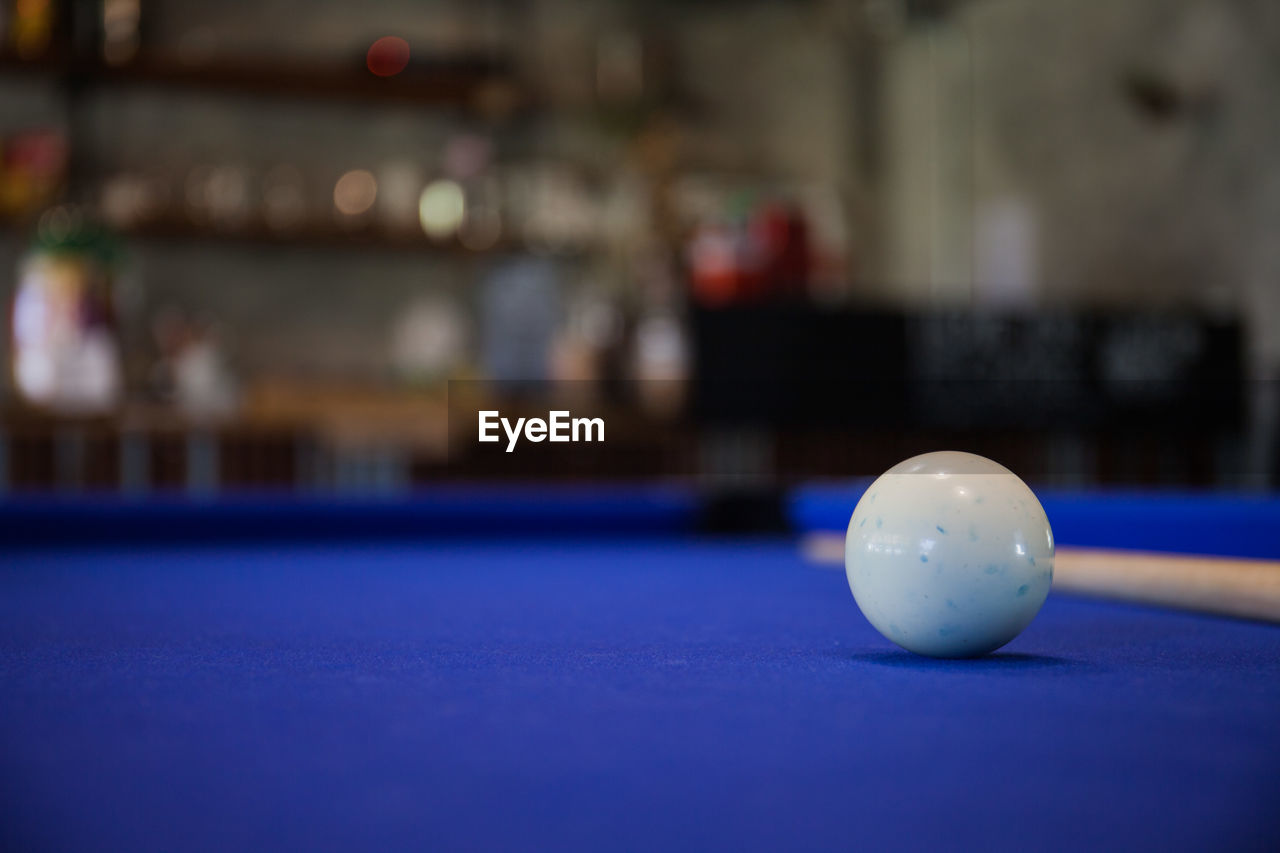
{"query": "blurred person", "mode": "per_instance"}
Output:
(192, 371)
(520, 313)
(66, 353)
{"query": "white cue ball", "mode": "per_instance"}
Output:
(949, 555)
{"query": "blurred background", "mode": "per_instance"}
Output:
(295, 246)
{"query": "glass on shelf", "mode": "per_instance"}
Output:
(121, 25)
(442, 209)
(228, 197)
(219, 196)
(129, 198)
(32, 170)
(553, 208)
(284, 198)
(400, 184)
(32, 27)
(482, 220)
(353, 198)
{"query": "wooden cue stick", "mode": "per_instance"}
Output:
(1248, 589)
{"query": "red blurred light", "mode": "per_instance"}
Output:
(388, 56)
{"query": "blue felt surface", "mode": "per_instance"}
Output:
(1236, 525)
(623, 694)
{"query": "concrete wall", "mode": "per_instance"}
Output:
(1018, 143)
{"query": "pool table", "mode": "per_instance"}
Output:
(588, 669)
